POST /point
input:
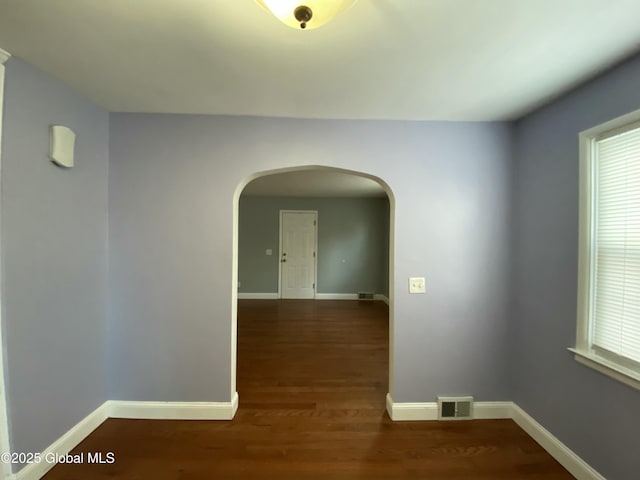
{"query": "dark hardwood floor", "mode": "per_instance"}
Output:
(312, 380)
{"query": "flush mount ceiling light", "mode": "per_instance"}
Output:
(305, 14)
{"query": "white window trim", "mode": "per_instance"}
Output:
(584, 353)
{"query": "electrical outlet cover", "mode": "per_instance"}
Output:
(416, 285)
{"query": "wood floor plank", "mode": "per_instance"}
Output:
(312, 379)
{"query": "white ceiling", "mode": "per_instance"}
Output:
(314, 183)
(382, 59)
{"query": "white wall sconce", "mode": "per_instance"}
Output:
(61, 145)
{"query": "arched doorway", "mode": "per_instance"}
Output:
(391, 222)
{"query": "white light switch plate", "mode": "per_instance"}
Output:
(416, 285)
(269, 251)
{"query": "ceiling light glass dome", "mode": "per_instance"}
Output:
(306, 14)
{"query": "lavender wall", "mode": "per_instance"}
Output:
(54, 254)
(172, 180)
(172, 185)
(594, 415)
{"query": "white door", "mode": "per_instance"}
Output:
(298, 254)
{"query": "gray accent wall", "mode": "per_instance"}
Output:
(596, 416)
(54, 259)
(353, 243)
(173, 179)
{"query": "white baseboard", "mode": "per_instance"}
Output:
(174, 410)
(558, 450)
(492, 410)
(497, 410)
(336, 296)
(124, 409)
(379, 296)
(258, 296)
(65, 444)
(429, 410)
(348, 296)
(319, 296)
(400, 412)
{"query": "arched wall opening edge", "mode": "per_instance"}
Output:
(234, 265)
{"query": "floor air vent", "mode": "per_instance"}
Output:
(455, 408)
(365, 296)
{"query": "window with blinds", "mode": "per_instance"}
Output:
(615, 289)
(608, 327)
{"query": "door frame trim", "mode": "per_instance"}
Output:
(5, 445)
(315, 246)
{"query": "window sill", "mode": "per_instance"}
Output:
(618, 372)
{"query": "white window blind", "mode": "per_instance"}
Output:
(615, 309)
